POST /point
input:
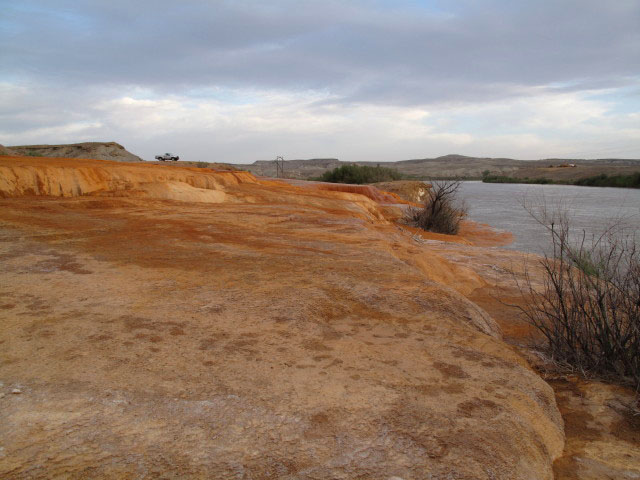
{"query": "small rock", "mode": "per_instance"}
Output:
(16, 391)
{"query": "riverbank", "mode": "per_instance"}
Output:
(186, 322)
(601, 180)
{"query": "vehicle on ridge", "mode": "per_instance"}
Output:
(167, 157)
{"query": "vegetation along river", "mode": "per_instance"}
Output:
(590, 209)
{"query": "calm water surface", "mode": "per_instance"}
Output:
(591, 209)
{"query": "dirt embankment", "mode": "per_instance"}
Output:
(94, 150)
(77, 177)
(164, 321)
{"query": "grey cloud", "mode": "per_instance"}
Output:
(477, 52)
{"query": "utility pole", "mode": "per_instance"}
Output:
(279, 167)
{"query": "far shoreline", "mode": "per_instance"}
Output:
(602, 180)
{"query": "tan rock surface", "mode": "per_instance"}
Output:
(603, 430)
(175, 323)
(602, 421)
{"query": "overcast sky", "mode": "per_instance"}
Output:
(381, 80)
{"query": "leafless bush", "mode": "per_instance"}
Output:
(442, 212)
(588, 304)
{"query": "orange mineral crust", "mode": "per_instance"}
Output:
(160, 321)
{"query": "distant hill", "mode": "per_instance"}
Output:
(93, 150)
(6, 151)
(457, 166)
(295, 168)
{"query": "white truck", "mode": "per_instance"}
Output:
(167, 157)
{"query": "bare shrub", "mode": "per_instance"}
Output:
(588, 305)
(442, 212)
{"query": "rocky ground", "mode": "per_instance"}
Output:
(173, 322)
(602, 421)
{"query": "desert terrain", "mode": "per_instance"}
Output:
(460, 166)
(447, 166)
(162, 321)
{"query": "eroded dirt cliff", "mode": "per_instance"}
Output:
(166, 322)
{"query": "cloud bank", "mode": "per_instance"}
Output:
(364, 80)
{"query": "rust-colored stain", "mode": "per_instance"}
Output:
(174, 322)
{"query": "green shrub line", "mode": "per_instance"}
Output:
(359, 174)
(505, 179)
(602, 180)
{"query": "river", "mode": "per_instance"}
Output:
(591, 209)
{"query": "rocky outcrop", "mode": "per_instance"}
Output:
(261, 330)
(94, 150)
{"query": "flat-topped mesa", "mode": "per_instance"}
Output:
(94, 150)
